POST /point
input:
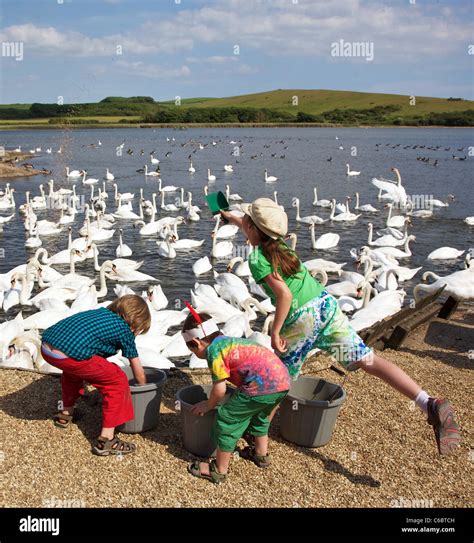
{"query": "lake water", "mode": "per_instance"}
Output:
(305, 166)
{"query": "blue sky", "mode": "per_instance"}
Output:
(186, 48)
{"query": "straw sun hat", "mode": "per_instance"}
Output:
(268, 216)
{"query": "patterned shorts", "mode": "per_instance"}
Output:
(321, 324)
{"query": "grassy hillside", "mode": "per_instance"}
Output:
(315, 102)
(320, 106)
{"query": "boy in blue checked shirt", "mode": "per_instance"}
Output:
(79, 345)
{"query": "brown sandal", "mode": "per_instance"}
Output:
(106, 447)
(61, 420)
(262, 461)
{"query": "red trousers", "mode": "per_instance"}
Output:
(105, 376)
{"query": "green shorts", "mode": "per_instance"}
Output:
(241, 413)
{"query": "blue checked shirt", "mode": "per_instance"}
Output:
(95, 332)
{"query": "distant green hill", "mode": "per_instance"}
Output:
(315, 102)
(282, 106)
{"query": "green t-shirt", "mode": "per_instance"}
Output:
(303, 286)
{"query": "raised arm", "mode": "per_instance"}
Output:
(233, 219)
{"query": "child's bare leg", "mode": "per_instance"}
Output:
(440, 412)
(261, 444)
(272, 414)
(108, 433)
(394, 376)
(222, 463)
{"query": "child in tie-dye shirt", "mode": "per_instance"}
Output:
(262, 382)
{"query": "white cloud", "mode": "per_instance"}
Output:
(211, 60)
(152, 71)
(278, 28)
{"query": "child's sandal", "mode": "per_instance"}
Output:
(262, 461)
(214, 476)
(61, 420)
(106, 447)
(441, 417)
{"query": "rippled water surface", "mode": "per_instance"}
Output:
(304, 166)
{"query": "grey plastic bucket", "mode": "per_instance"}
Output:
(146, 400)
(196, 430)
(307, 417)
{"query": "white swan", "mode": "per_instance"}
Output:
(97, 233)
(459, 284)
(109, 176)
(210, 178)
(242, 270)
(326, 241)
(48, 228)
(150, 174)
(167, 207)
(445, 253)
(155, 297)
(221, 249)
(166, 188)
(384, 241)
(72, 279)
(421, 213)
(120, 262)
(320, 203)
(202, 265)
(193, 214)
(191, 168)
(232, 197)
(122, 250)
(73, 173)
(127, 273)
(228, 168)
(398, 253)
(366, 207)
(308, 219)
(396, 221)
(345, 216)
(165, 248)
(433, 202)
(383, 305)
(393, 190)
(351, 173)
(21, 286)
(227, 231)
(123, 196)
(270, 178)
(348, 304)
(33, 241)
(321, 264)
(125, 211)
(89, 181)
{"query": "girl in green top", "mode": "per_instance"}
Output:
(307, 317)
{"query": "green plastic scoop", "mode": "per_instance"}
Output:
(217, 202)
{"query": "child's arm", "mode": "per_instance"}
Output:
(233, 219)
(138, 372)
(283, 304)
(217, 394)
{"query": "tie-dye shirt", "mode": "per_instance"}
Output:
(251, 367)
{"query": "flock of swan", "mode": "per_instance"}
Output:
(368, 293)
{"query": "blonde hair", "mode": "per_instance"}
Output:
(134, 310)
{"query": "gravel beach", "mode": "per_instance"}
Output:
(382, 454)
